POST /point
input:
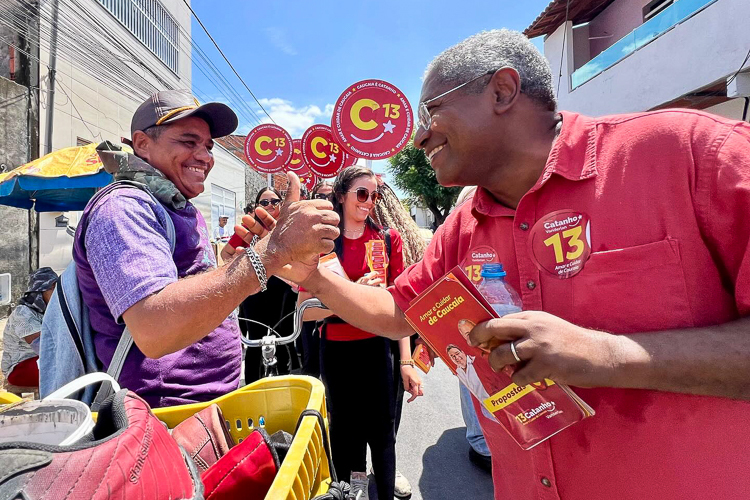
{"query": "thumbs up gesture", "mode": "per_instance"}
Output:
(303, 231)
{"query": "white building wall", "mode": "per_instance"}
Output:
(702, 50)
(95, 111)
(228, 173)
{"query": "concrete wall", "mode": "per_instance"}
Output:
(731, 109)
(614, 22)
(228, 173)
(704, 49)
(14, 222)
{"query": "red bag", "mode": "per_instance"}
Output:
(246, 472)
(129, 454)
(204, 436)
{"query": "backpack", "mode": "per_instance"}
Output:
(66, 349)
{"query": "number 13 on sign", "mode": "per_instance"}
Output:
(575, 246)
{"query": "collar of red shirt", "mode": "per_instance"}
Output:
(568, 158)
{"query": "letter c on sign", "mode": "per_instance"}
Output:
(295, 161)
(354, 114)
(259, 145)
(314, 146)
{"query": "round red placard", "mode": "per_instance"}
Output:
(321, 153)
(268, 148)
(307, 177)
(372, 119)
(296, 163)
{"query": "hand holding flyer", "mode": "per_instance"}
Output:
(444, 315)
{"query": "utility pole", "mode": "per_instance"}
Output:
(52, 72)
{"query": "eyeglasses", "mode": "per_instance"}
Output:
(363, 194)
(264, 203)
(321, 196)
(425, 119)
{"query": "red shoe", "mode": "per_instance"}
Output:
(128, 455)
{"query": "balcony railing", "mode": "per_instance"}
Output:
(665, 20)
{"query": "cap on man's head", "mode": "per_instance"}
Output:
(168, 106)
(223, 217)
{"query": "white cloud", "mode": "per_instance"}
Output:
(278, 39)
(293, 119)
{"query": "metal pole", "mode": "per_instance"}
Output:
(269, 180)
(52, 72)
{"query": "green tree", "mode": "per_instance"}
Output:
(413, 175)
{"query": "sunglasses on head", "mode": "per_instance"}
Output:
(363, 194)
(321, 196)
(264, 203)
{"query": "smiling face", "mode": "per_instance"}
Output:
(182, 152)
(458, 137)
(273, 211)
(458, 356)
(356, 212)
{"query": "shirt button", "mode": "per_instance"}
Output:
(524, 226)
(530, 284)
(546, 482)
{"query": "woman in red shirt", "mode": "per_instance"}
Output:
(357, 367)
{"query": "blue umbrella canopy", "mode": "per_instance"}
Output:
(58, 182)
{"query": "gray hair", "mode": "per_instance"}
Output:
(491, 50)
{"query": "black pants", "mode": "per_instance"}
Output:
(359, 379)
(309, 341)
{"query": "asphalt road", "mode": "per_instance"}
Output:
(431, 447)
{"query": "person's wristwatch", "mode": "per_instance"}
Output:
(409, 362)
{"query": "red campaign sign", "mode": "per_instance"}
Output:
(560, 243)
(373, 120)
(296, 163)
(268, 148)
(307, 177)
(321, 153)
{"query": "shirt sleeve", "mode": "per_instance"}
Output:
(27, 321)
(723, 208)
(128, 250)
(421, 275)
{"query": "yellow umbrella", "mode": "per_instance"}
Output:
(60, 181)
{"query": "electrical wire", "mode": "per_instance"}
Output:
(729, 82)
(121, 70)
(227, 60)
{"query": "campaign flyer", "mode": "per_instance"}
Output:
(443, 316)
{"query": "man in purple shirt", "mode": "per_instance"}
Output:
(179, 306)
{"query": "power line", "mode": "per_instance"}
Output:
(227, 60)
(82, 34)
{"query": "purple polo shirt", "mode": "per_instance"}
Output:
(127, 258)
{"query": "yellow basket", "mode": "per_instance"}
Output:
(304, 474)
(7, 398)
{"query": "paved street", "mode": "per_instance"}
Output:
(432, 451)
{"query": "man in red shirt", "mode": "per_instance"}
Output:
(627, 238)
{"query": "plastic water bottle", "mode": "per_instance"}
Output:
(501, 296)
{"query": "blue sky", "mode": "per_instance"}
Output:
(298, 56)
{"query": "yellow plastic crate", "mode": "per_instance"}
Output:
(7, 398)
(304, 473)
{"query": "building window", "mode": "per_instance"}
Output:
(222, 203)
(151, 23)
(654, 7)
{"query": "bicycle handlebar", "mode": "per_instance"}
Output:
(298, 315)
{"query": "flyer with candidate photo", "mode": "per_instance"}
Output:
(443, 316)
